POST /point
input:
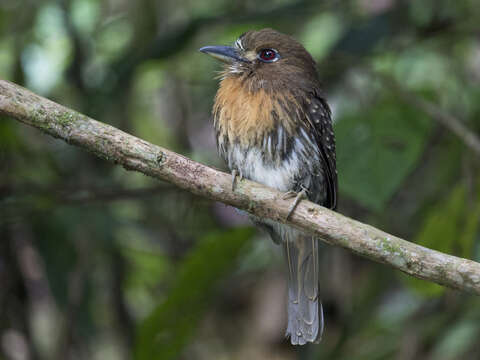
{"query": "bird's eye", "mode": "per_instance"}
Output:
(268, 55)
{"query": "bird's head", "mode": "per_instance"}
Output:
(268, 60)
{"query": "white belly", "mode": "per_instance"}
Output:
(251, 164)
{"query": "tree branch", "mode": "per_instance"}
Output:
(132, 153)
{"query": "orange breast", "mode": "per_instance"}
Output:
(247, 116)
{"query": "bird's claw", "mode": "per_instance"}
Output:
(235, 173)
(301, 195)
(289, 194)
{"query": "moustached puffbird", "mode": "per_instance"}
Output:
(273, 125)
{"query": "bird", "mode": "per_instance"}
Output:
(273, 126)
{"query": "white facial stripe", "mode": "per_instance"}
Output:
(239, 45)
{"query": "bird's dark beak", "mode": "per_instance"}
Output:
(226, 54)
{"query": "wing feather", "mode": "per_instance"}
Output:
(319, 121)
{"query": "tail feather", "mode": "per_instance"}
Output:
(305, 313)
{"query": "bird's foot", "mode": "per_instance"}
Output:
(235, 173)
(298, 197)
(289, 194)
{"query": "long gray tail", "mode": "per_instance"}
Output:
(305, 313)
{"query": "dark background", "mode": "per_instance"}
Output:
(100, 263)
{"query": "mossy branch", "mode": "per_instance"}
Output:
(132, 153)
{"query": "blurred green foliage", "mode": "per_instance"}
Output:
(391, 140)
(450, 227)
(100, 263)
(168, 328)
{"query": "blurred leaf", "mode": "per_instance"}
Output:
(377, 149)
(450, 226)
(168, 329)
(7, 59)
(321, 33)
(396, 309)
(422, 13)
(470, 229)
(8, 138)
(85, 14)
(460, 337)
(43, 61)
(114, 38)
(148, 265)
(146, 108)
